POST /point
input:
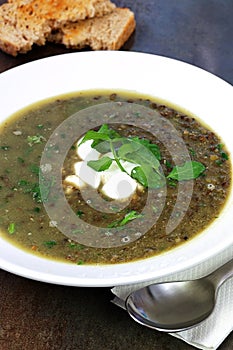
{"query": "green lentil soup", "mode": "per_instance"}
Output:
(24, 221)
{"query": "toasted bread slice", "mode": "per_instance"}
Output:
(109, 32)
(18, 32)
(27, 22)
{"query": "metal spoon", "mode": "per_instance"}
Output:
(176, 306)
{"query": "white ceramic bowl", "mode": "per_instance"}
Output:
(194, 89)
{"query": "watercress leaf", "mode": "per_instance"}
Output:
(99, 142)
(131, 152)
(150, 159)
(94, 135)
(188, 171)
(155, 178)
(105, 146)
(148, 177)
(132, 215)
(108, 131)
(138, 174)
(151, 146)
(142, 153)
(113, 134)
(101, 146)
(148, 172)
(114, 224)
(155, 150)
(127, 149)
(133, 157)
(136, 153)
(104, 129)
(100, 164)
(172, 183)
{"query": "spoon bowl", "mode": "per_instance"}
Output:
(178, 305)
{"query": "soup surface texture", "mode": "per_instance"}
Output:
(25, 223)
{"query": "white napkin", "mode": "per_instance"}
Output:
(209, 334)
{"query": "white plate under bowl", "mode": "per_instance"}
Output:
(194, 89)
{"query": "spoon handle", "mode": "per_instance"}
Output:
(223, 273)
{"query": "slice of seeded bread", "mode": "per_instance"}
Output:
(108, 32)
(19, 31)
(27, 22)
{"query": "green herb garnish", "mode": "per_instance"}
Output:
(100, 164)
(76, 246)
(192, 152)
(168, 164)
(50, 244)
(188, 171)
(79, 213)
(21, 160)
(40, 126)
(22, 183)
(35, 139)
(219, 162)
(11, 228)
(151, 146)
(40, 192)
(34, 169)
(172, 182)
(132, 215)
(223, 154)
(219, 146)
(141, 152)
(80, 262)
(4, 148)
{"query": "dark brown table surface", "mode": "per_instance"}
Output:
(40, 316)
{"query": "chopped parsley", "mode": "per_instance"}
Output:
(50, 244)
(5, 148)
(35, 139)
(79, 213)
(11, 228)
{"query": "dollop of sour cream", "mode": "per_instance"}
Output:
(113, 182)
